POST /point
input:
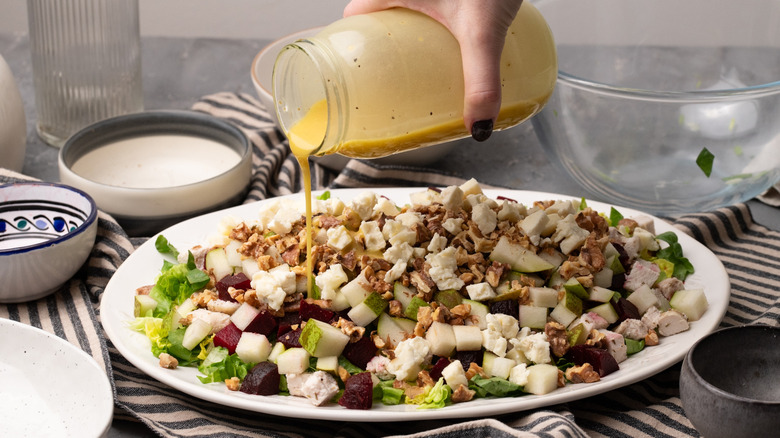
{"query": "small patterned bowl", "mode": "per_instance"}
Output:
(47, 231)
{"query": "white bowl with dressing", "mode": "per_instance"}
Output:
(150, 170)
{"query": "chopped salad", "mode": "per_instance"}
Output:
(451, 297)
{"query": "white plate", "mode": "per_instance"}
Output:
(144, 264)
(50, 388)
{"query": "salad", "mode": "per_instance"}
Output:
(451, 297)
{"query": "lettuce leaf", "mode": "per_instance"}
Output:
(175, 284)
(156, 330)
(497, 387)
(674, 254)
(230, 366)
(439, 396)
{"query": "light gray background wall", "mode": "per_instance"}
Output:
(260, 19)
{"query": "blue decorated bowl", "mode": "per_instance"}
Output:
(47, 232)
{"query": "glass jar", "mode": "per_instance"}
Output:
(371, 85)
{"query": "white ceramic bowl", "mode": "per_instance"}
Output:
(46, 234)
(153, 169)
(50, 387)
(262, 73)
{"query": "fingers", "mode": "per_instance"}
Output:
(482, 84)
(356, 7)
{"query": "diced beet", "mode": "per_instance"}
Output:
(507, 307)
(310, 310)
(264, 323)
(262, 379)
(228, 337)
(625, 309)
(283, 328)
(440, 364)
(290, 318)
(623, 256)
(466, 358)
(360, 352)
(237, 281)
(599, 358)
(291, 339)
(618, 280)
(358, 392)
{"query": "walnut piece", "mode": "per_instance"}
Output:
(582, 374)
(168, 361)
(233, 383)
(462, 394)
(556, 335)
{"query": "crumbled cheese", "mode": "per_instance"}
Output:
(386, 207)
(363, 204)
(410, 355)
(398, 252)
(511, 211)
(470, 187)
(339, 237)
(319, 388)
(216, 320)
(267, 213)
(494, 342)
(505, 324)
(409, 218)
(535, 347)
(569, 235)
(443, 269)
(284, 277)
(372, 236)
(329, 281)
(519, 374)
(562, 208)
(330, 206)
(452, 198)
(453, 225)
(425, 198)
(485, 218)
(480, 291)
(437, 244)
(479, 198)
(396, 271)
(378, 366)
(395, 232)
(284, 219)
(268, 289)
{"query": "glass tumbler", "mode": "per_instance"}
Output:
(86, 59)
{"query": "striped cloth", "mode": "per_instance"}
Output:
(650, 408)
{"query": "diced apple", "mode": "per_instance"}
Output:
(217, 263)
(244, 315)
(441, 338)
(467, 337)
(542, 379)
(293, 361)
(322, 339)
(143, 305)
(643, 298)
(394, 329)
(600, 294)
(479, 311)
(195, 333)
(543, 296)
(253, 347)
(368, 310)
(691, 302)
(532, 316)
(356, 290)
(517, 257)
(606, 311)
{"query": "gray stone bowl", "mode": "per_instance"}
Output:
(730, 382)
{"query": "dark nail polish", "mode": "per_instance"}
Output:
(481, 130)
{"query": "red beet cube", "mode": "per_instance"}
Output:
(599, 358)
(228, 337)
(358, 392)
(440, 364)
(310, 310)
(262, 379)
(360, 352)
(291, 338)
(264, 323)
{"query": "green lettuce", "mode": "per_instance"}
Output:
(176, 283)
(496, 386)
(156, 330)
(438, 396)
(219, 366)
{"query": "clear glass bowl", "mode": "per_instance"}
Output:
(644, 87)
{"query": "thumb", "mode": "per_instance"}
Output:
(481, 59)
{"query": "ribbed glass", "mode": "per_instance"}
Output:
(86, 59)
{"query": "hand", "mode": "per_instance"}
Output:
(480, 28)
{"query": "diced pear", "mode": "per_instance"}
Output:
(217, 263)
(532, 316)
(195, 333)
(414, 305)
(610, 251)
(244, 315)
(276, 350)
(448, 298)
(606, 311)
(578, 334)
(552, 256)
(293, 361)
(600, 294)
(393, 329)
(143, 305)
(569, 308)
(603, 278)
(574, 286)
(403, 294)
(339, 302)
(454, 375)
(233, 256)
(467, 337)
(322, 339)
(479, 311)
(542, 379)
(643, 298)
(543, 296)
(367, 311)
(441, 338)
(470, 187)
(253, 347)
(356, 290)
(249, 267)
(518, 257)
(328, 363)
(613, 262)
(496, 366)
(556, 280)
(691, 302)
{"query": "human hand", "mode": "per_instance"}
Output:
(480, 27)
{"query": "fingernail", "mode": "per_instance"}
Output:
(481, 130)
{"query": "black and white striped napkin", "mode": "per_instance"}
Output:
(650, 408)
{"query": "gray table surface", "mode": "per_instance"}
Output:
(178, 71)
